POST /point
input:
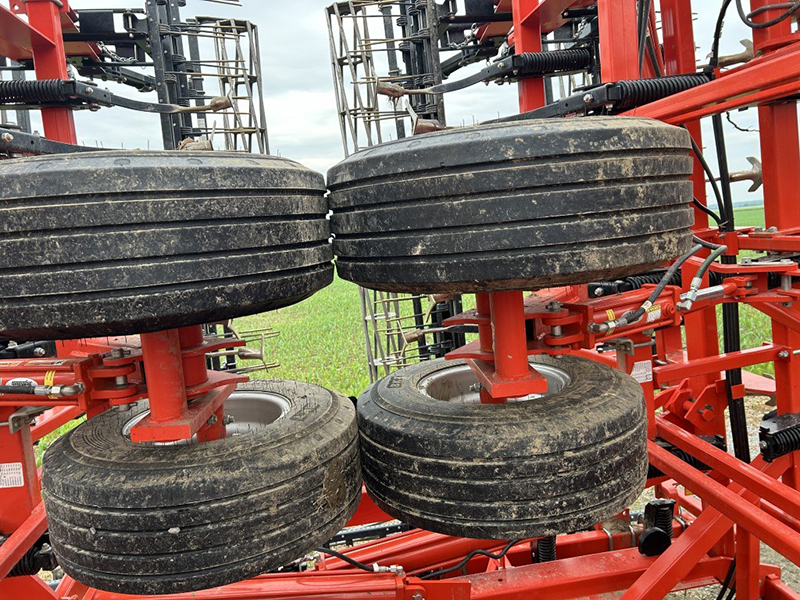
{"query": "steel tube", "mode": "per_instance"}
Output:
(161, 353)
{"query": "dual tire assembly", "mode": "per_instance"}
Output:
(178, 239)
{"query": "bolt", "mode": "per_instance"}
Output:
(7, 137)
(89, 91)
(588, 99)
(784, 354)
(554, 307)
(39, 351)
(763, 445)
(212, 420)
(417, 597)
(228, 420)
(599, 292)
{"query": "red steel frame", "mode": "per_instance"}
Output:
(729, 512)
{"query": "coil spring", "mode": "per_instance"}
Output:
(637, 282)
(663, 520)
(652, 472)
(34, 561)
(546, 549)
(785, 441)
(643, 91)
(43, 90)
(556, 60)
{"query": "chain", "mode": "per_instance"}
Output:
(113, 55)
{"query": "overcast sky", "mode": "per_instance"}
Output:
(301, 110)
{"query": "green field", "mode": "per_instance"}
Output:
(752, 216)
(321, 340)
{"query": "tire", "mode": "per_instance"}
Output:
(522, 205)
(554, 464)
(112, 243)
(162, 519)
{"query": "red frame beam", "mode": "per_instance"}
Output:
(581, 577)
(19, 37)
(773, 532)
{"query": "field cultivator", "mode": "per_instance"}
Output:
(507, 469)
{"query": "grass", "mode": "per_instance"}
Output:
(321, 340)
(752, 216)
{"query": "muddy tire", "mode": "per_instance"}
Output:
(436, 458)
(513, 206)
(145, 519)
(111, 243)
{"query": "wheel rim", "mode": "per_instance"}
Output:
(459, 385)
(250, 410)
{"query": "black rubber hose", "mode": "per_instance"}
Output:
(651, 51)
(730, 311)
(714, 62)
(469, 557)
(703, 208)
(747, 18)
(717, 193)
(716, 252)
(351, 561)
(728, 579)
(27, 390)
(637, 314)
(644, 14)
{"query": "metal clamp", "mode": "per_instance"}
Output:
(23, 417)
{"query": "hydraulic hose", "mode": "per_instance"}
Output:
(730, 311)
(637, 314)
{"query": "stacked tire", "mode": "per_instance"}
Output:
(516, 206)
(115, 243)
